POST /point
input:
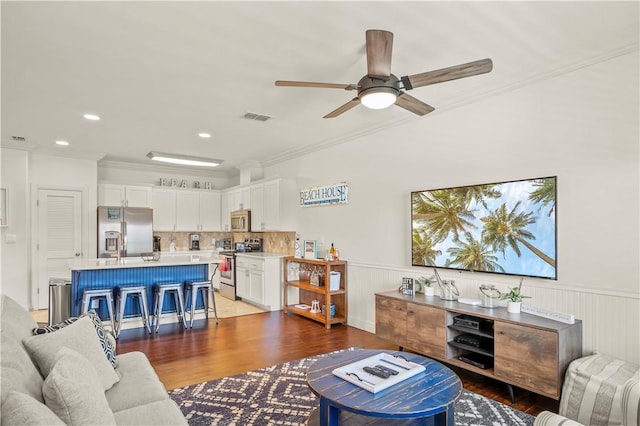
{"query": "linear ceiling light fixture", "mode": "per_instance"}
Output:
(185, 160)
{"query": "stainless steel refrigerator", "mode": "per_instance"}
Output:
(135, 224)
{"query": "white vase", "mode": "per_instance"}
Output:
(429, 291)
(513, 307)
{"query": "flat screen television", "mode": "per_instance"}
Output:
(504, 227)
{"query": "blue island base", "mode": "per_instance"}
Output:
(113, 278)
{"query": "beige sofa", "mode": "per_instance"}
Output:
(64, 377)
(598, 390)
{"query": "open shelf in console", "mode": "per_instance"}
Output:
(470, 340)
(486, 334)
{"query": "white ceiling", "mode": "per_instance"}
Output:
(160, 72)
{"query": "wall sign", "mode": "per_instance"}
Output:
(337, 193)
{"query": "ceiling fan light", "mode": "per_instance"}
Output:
(378, 98)
(184, 160)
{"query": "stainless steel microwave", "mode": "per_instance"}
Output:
(241, 221)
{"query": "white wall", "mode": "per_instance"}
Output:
(15, 256)
(581, 126)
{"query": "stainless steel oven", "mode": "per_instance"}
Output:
(227, 270)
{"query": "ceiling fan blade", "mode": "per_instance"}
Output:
(451, 73)
(344, 108)
(414, 105)
(285, 83)
(379, 47)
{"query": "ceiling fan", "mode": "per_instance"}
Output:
(380, 89)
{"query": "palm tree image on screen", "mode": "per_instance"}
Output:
(504, 227)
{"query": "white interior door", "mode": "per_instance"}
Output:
(59, 237)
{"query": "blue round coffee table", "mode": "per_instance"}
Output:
(427, 398)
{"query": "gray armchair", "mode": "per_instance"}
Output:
(597, 391)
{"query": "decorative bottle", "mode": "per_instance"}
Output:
(332, 253)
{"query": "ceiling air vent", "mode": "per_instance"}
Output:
(18, 138)
(256, 117)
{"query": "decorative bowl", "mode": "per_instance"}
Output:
(150, 257)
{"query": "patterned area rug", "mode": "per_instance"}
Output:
(279, 395)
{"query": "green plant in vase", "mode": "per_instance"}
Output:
(427, 285)
(514, 298)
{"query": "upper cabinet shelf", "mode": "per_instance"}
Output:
(124, 195)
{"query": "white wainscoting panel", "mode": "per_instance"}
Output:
(610, 321)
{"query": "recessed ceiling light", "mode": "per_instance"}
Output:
(185, 160)
(204, 135)
(91, 117)
(62, 143)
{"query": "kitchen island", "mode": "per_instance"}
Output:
(90, 274)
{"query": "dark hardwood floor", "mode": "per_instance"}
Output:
(209, 351)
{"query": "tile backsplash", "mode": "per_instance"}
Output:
(273, 242)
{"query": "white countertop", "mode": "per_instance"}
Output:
(260, 254)
(175, 259)
(187, 252)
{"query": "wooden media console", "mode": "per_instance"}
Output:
(522, 350)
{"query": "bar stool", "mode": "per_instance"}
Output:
(102, 293)
(159, 291)
(137, 292)
(191, 290)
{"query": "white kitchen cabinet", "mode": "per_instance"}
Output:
(242, 278)
(124, 195)
(239, 199)
(210, 209)
(256, 286)
(257, 210)
(110, 195)
(164, 209)
(274, 206)
(258, 280)
(225, 215)
(186, 210)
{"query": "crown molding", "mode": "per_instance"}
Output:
(20, 145)
(66, 152)
(75, 154)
